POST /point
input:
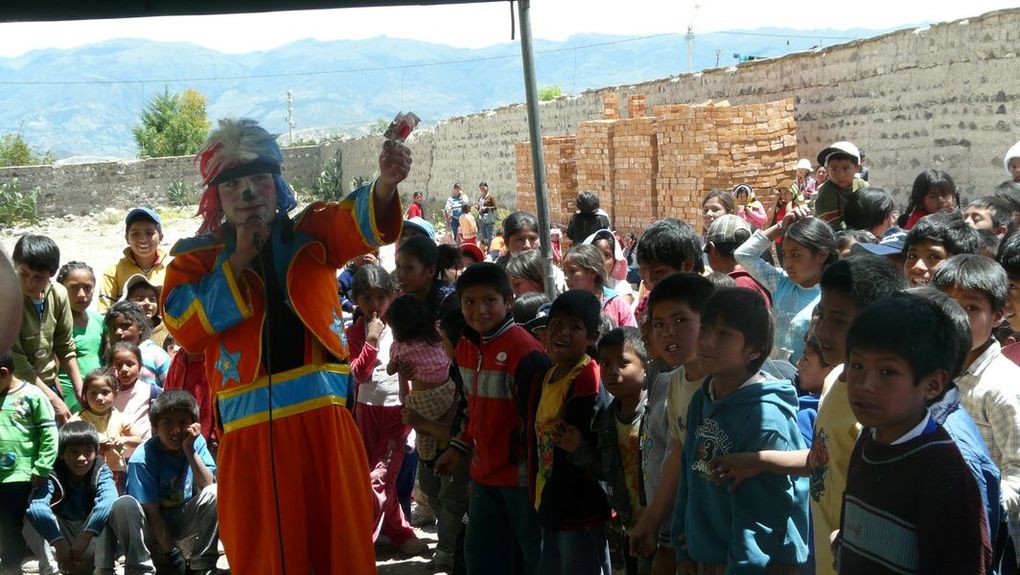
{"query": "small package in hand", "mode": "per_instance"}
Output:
(401, 127)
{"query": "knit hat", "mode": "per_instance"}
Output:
(729, 229)
(238, 148)
(839, 148)
(1013, 152)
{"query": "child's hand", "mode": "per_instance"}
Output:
(374, 328)
(447, 462)
(191, 433)
(568, 438)
(64, 559)
(735, 467)
(81, 544)
(797, 213)
(38, 481)
(643, 540)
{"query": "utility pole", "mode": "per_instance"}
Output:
(690, 39)
(718, 53)
(290, 115)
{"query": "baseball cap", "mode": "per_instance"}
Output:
(473, 251)
(134, 280)
(422, 225)
(804, 164)
(891, 244)
(839, 148)
(729, 229)
(144, 214)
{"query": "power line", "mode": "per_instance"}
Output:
(319, 72)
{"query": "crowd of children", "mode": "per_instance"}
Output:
(824, 386)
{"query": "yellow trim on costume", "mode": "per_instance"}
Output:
(194, 307)
(235, 290)
(376, 235)
(285, 412)
(288, 375)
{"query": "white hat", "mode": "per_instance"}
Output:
(804, 164)
(839, 148)
(1013, 152)
(135, 280)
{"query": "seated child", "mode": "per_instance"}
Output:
(904, 461)
(501, 365)
(143, 232)
(989, 213)
(138, 290)
(80, 282)
(28, 450)
(133, 397)
(79, 514)
(572, 507)
(45, 343)
(988, 389)
(424, 368)
(761, 526)
(173, 476)
(101, 386)
(842, 161)
(127, 322)
(934, 239)
(809, 247)
(585, 269)
(615, 455)
(933, 191)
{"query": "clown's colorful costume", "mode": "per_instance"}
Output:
(283, 317)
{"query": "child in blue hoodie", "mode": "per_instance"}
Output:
(762, 525)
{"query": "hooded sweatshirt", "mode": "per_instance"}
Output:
(765, 520)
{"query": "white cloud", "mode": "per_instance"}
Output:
(476, 25)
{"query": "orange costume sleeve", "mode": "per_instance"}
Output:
(313, 465)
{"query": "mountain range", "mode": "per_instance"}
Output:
(84, 101)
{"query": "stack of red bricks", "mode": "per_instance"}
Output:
(610, 105)
(561, 177)
(647, 168)
(636, 106)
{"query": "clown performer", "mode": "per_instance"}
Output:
(256, 292)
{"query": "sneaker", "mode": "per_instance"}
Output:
(413, 546)
(441, 562)
(30, 566)
(422, 515)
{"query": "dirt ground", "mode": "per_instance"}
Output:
(98, 240)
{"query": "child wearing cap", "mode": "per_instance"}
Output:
(804, 185)
(143, 232)
(842, 161)
(724, 236)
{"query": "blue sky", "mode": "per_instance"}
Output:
(480, 25)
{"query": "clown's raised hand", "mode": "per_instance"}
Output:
(394, 165)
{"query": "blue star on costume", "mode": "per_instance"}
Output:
(227, 365)
(337, 327)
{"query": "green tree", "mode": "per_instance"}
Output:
(549, 93)
(172, 125)
(379, 126)
(15, 151)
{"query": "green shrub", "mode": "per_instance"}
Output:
(18, 206)
(180, 194)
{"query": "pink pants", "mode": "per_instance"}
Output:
(385, 436)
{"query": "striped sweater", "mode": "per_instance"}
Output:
(502, 373)
(912, 508)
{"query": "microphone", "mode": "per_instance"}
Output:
(255, 238)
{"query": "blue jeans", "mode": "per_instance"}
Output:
(500, 520)
(455, 221)
(584, 552)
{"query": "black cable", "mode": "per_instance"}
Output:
(269, 385)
